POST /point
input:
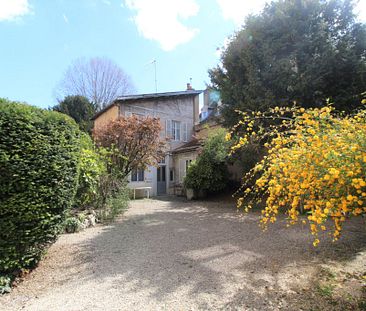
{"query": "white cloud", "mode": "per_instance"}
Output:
(236, 10)
(360, 9)
(13, 9)
(160, 20)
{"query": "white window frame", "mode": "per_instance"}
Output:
(138, 172)
(176, 130)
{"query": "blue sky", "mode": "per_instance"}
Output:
(41, 38)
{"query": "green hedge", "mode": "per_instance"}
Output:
(39, 152)
(209, 172)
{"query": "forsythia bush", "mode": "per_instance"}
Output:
(316, 163)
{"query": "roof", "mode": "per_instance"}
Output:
(159, 95)
(154, 96)
(192, 145)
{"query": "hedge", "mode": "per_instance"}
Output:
(38, 179)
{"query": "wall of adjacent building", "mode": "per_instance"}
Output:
(178, 109)
(106, 117)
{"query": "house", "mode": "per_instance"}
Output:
(179, 114)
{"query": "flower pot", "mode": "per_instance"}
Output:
(190, 194)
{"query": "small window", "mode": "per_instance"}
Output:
(162, 161)
(137, 175)
(171, 175)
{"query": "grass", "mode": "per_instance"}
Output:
(326, 290)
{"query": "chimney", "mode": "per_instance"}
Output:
(189, 87)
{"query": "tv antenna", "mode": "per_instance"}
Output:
(155, 76)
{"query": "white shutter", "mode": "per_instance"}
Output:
(168, 128)
(184, 132)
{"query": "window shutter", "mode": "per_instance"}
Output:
(185, 132)
(168, 128)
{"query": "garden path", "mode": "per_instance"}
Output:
(173, 254)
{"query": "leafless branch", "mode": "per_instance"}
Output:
(98, 79)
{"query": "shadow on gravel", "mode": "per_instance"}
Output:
(202, 247)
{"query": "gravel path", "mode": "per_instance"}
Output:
(177, 255)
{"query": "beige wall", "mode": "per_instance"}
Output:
(178, 164)
(202, 130)
(183, 109)
(106, 117)
(177, 109)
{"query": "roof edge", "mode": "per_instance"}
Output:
(146, 96)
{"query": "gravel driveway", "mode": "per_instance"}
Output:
(177, 255)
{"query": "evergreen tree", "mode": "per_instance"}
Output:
(303, 51)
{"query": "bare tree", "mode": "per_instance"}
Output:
(99, 79)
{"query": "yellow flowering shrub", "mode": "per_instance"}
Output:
(315, 163)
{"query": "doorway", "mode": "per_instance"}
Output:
(161, 180)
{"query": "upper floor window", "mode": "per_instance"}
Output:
(177, 130)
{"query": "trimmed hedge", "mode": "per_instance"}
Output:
(39, 152)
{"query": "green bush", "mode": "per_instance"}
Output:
(5, 284)
(209, 172)
(39, 153)
(92, 167)
(113, 197)
(72, 224)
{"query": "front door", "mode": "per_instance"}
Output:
(161, 180)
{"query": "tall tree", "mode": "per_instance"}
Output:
(302, 51)
(79, 108)
(98, 79)
(133, 142)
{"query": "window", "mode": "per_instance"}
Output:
(188, 163)
(175, 130)
(137, 175)
(171, 175)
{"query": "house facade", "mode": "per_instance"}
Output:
(179, 114)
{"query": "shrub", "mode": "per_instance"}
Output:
(316, 162)
(92, 167)
(5, 284)
(72, 224)
(132, 142)
(113, 197)
(209, 172)
(39, 152)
